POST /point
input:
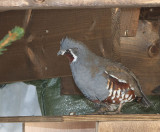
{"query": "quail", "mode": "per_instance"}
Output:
(101, 80)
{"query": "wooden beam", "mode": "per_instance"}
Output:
(25, 4)
(123, 117)
(129, 21)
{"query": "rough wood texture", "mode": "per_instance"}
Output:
(35, 56)
(25, 4)
(129, 126)
(31, 119)
(116, 16)
(60, 127)
(131, 117)
(123, 117)
(141, 55)
(129, 21)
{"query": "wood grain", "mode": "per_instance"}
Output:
(123, 117)
(60, 127)
(129, 21)
(129, 126)
(31, 119)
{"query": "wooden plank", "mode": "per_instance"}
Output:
(129, 21)
(141, 55)
(129, 126)
(60, 127)
(23, 127)
(116, 16)
(31, 119)
(123, 117)
(35, 56)
(25, 4)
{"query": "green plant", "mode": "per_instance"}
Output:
(13, 35)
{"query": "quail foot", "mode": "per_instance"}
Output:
(101, 80)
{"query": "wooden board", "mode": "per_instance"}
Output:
(123, 117)
(35, 56)
(41, 4)
(60, 127)
(129, 126)
(129, 22)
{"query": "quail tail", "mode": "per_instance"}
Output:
(145, 101)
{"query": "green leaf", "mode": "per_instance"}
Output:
(15, 34)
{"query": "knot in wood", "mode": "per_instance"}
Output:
(153, 50)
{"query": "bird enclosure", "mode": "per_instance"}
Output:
(121, 31)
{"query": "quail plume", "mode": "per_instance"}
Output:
(101, 80)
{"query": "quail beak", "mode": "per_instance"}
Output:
(61, 52)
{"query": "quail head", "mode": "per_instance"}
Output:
(101, 80)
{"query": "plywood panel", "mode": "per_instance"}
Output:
(129, 126)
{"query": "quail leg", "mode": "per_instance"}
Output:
(102, 108)
(118, 111)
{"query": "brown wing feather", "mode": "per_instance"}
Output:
(119, 92)
(123, 73)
